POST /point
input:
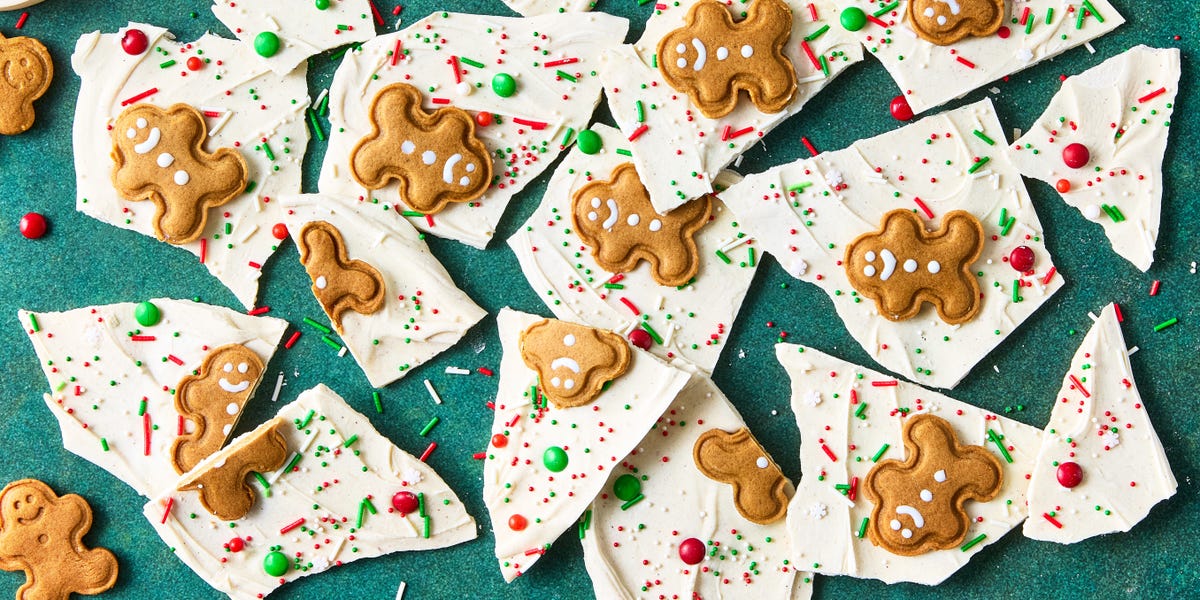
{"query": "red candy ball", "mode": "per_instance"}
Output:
(279, 231)
(1076, 155)
(237, 544)
(405, 503)
(691, 551)
(33, 225)
(499, 440)
(640, 338)
(1069, 474)
(134, 42)
(483, 118)
(900, 108)
(1063, 186)
(517, 522)
(195, 64)
(1021, 258)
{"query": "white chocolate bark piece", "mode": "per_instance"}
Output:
(692, 320)
(113, 380)
(246, 106)
(557, 89)
(295, 30)
(681, 151)
(806, 213)
(1102, 467)
(850, 418)
(929, 75)
(533, 8)
(423, 314)
(531, 505)
(634, 551)
(1120, 112)
(330, 505)
(15, 4)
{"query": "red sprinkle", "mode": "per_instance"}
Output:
(1082, 389)
(1052, 520)
(167, 513)
(1152, 95)
(626, 302)
(537, 125)
(889, 383)
(292, 525)
(428, 451)
(808, 144)
(292, 340)
(924, 209)
(1154, 287)
(561, 62)
(22, 19)
(966, 62)
(139, 97)
(637, 133)
(829, 453)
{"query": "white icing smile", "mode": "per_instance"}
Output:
(231, 388)
(912, 513)
(429, 157)
(151, 141)
(701, 54)
(565, 362)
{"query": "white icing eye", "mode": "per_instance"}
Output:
(569, 340)
(569, 384)
(592, 216)
(929, 11)
(408, 147)
(232, 408)
(464, 181)
(870, 256)
(910, 265)
(655, 225)
(681, 63)
(320, 282)
(762, 462)
(470, 167)
(927, 495)
(907, 533)
(939, 476)
(181, 178)
(681, 48)
(228, 367)
(747, 51)
(869, 270)
(935, 266)
(165, 159)
(633, 220)
(428, 157)
(243, 367)
(141, 123)
(895, 525)
(556, 382)
(595, 203)
(722, 53)
(131, 133)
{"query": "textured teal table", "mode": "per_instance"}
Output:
(83, 262)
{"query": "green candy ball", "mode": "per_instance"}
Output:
(275, 564)
(589, 142)
(854, 18)
(627, 487)
(322, 4)
(555, 459)
(504, 85)
(266, 44)
(147, 314)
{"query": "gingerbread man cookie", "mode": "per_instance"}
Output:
(901, 266)
(919, 502)
(944, 22)
(159, 156)
(42, 533)
(222, 485)
(25, 74)
(341, 284)
(213, 401)
(573, 362)
(616, 219)
(435, 156)
(712, 59)
(759, 487)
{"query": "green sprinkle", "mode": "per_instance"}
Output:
(1049, 15)
(799, 187)
(567, 136)
(267, 148)
(818, 33)
(996, 440)
(425, 534)
(653, 334)
(1008, 226)
(1165, 324)
(331, 343)
(858, 412)
(862, 527)
(429, 426)
(614, 286)
(624, 152)
(641, 111)
(983, 136)
(1016, 290)
(33, 322)
(412, 213)
(751, 249)
(350, 441)
(883, 11)
(879, 455)
(104, 444)
(723, 257)
(566, 75)
(315, 125)
(292, 465)
(317, 325)
(308, 418)
(262, 481)
(142, 408)
(635, 500)
(974, 542)
(378, 402)
(166, 64)
(472, 63)
(1092, 9)
(979, 164)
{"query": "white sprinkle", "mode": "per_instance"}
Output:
(400, 591)
(342, 352)
(457, 371)
(1132, 351)
(432, 392)
(1089, 47)
(278, 385)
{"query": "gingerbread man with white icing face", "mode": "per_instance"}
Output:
(945, 22)
(573, 362)
(213, 401)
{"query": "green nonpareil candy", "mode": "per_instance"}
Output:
(504, 85)
(627, 487)
(589, 142)
(266, 44)
(147, 314)
(555, 459)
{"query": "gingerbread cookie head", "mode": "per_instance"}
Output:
(436, 157)
(944, 22)
(573, 362)
(42, 535)
(616, 219)
(213, 400)
(712, 59)
(759, 487)
(919, 501)
(222, 485)
(25, 74)
(159, 156)
(902, 266)
(339, 283)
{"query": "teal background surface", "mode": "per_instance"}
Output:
(83, 262)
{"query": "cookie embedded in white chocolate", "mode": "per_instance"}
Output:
(246, 107)
(808, 212)
(1101, 143)
(1102, 467)
(859, 423)
(346, 493)
(658, 518)
(113, 372)
(283, 34)
(545, 464)
(423, 312)
(688, 323)
(530, 84)
(677, 150)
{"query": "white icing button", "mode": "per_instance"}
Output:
(907, 533)
(181, 177)
(910, 265)
(232, 408)
(408, 147)
(681, 63)
(941, 20)
(592, 216)
(320, 282)
(870, 256)
(1091, 212)
(226, 429)
(929, 12)
(934, 266)
(464, 181)
(569, 340)
(464, 88)
(722, 53)
(869, 270)
(655, 224)
(428, 157)
(165, 159)
(939, 476)
(633, 220)
(762, 462)
(470, 167)
(747, 51)
(927, 495)
(556, 382)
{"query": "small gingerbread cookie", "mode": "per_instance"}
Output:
(944, 22)
(222, 484)
(573, 362)
(436, 157)
(42, 533)
(341, 284)
(712, 59)
(902, 265)
(759, 487)
(616, 219)
(159, 156)
(918, 502)
(213, 401)
(25, 74)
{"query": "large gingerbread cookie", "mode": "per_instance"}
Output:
(573, 362)
(712, 59)
(902, 266)
(616, 219)
(213, 400)
(222, 485)
(159, 156)
(945, 22)
(340, 283)
(436, 157)
(25, 74)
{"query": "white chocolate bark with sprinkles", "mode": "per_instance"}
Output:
(330, 505)
(807, 212)
(632, 548)
(552, 59)
(1119, 112)
(531, 505)
(690, 322)
(15, 4)
(284, 34)
(850, 418)
(1102, 467)
(423, 314)
(246, 106)
(929, 75)
(113, 379)
(678, 151)
(533, 8)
